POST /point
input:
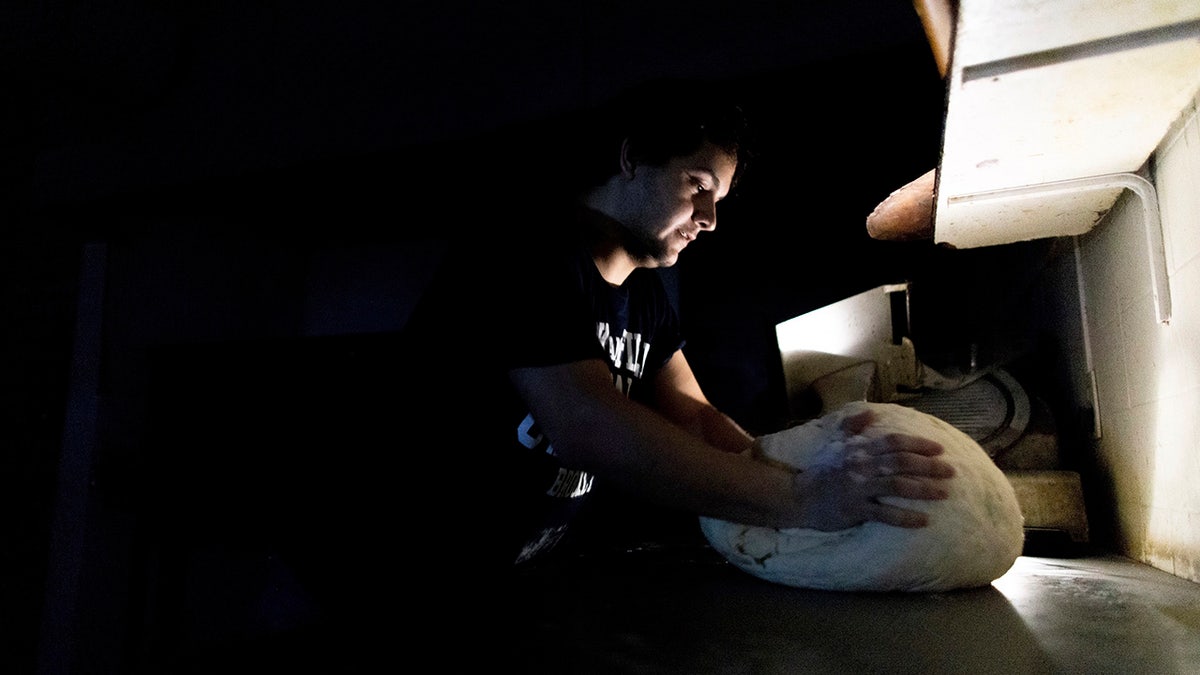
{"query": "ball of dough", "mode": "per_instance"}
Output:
(972, 538)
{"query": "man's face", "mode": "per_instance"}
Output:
(667, 207)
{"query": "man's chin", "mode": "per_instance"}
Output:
(661, 257)
(665, 260)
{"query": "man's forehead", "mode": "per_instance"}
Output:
(715, 161)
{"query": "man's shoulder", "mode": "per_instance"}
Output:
(546, 229)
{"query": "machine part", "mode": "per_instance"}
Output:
(992, 409)
(1051, 501)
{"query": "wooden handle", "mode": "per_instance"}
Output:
(907, 213)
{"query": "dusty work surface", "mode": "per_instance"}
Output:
(673, 611)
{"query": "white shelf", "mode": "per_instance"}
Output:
(1041, 93)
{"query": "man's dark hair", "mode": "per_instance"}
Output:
(669, 118)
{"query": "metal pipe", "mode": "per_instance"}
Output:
(1151, 220)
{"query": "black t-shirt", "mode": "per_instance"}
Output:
(493, 309)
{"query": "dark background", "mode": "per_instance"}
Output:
(216, 216)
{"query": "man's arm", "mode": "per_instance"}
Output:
(594, 427)
(677, 395)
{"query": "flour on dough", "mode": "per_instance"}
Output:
(973, 537)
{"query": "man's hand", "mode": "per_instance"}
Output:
(896, 465)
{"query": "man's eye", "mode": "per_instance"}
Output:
(699, 185)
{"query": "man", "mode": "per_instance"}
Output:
(549, 360)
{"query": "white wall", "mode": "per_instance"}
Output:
(1147, 374)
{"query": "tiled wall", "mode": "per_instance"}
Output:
(1147, 374)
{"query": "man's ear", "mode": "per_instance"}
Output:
(627, 163)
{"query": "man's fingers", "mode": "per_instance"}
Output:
(855, 424)
(894, 515)
(909, 488)
(902, 443)
(915, 465)
(859, 447)
(898, 463)
(917, 444)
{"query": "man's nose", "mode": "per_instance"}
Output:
(706, 214)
